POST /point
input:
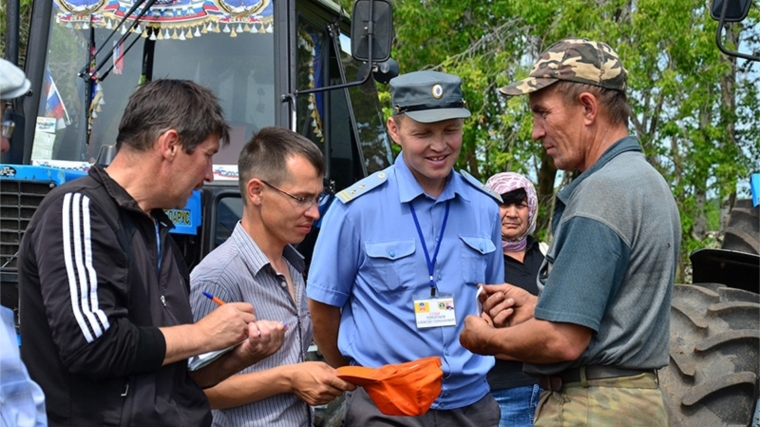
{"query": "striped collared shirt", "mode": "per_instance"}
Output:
(239, 271)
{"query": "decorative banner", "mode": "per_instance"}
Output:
(308, 43)
(170, 19)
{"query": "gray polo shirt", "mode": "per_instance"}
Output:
(239, 271)
(612, 262)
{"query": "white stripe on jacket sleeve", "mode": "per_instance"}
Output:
(82, 277)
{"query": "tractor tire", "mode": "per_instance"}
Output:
(712, 377)
(742, 231)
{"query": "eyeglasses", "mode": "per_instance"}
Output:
(303, 202)
(7, 128)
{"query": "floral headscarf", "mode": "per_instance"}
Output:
(509, 181)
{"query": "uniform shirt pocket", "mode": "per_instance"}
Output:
(390, 264)
(475, 254)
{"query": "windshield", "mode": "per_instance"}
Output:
(231, 53)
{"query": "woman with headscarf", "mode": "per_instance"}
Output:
(516, 393)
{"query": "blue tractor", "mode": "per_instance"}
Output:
(713, 379)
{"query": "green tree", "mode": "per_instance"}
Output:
(694, 108)
(25, 13)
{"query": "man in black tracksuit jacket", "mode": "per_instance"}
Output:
(105, 318)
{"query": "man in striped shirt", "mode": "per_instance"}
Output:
(281, 185)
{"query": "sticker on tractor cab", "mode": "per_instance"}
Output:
(188, 219)
(225, 172)
(70, 169)
(8, 171)
(41, 174)
(179, 216)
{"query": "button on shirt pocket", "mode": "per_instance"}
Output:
(475, 253)
(390, 263)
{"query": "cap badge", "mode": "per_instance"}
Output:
(437, 91)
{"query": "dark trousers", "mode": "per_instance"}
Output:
(362, 412)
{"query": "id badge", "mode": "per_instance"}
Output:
(431, 312)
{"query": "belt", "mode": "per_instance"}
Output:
(557, 381)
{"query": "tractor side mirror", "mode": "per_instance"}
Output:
(725, 11)
(736, 10)
(372, 20)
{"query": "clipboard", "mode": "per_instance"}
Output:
(203, 360)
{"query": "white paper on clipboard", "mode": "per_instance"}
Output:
(201, 360)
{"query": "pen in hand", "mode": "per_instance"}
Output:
(211, 296)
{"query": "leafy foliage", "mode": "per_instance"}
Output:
(25, 13)
(695, 110)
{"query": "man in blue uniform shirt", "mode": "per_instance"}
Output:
(403, 246)
(23, 400)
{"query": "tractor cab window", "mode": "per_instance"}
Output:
(229, 51)
(229, 211)
(349, 120)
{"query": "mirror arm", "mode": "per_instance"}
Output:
(326, 88)
(370, 39)
(340, 86)
(335, 32)
(719, 41)
(290, 98)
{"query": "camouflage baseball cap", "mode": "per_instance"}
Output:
(573, 60)
(428, 96)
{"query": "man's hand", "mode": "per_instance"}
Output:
(227, 325)
(264, 338)
(476, 334)
(316, 383)
(223, 327)
(507, 305)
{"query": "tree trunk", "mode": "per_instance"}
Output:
(728, 96)
(547, 174)
(699, 227)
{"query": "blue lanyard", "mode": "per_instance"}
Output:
(158, 248)
(430, 263)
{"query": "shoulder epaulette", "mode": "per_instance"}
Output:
(479, 185)
(363, 186)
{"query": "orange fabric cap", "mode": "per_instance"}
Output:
(401, 389)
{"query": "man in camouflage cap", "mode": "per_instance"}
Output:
(599, 329)
(573, 60)
(415, 236)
